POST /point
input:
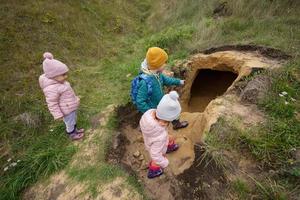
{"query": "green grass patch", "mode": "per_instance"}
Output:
(93, 46)
(241, 188)
(132, 180)
(275, 141)
(170, 37)
(44, 156)
(96, 174)
(270, 190)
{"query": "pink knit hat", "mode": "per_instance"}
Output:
(53, 67)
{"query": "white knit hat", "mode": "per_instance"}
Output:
(169, 107)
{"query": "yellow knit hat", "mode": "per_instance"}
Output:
(156, 57)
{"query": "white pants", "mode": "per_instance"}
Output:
(70, 121)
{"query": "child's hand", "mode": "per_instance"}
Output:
(182, 82)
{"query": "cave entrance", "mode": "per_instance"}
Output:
(208, 85)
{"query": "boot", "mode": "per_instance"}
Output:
(177, 124)
(75, 135)
(154, 170)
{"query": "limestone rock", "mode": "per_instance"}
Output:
(136, 154)
(256, 89)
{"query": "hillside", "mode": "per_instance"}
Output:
(103, 43)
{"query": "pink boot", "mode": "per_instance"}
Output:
(76, 135)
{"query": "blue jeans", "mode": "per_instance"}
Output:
(70, 121)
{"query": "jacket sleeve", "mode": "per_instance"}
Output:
(142, 97)
(169, 81)
(156, 154)
(52, 99)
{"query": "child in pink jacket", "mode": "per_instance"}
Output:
(154, 125)
(60, 97)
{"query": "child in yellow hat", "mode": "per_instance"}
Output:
(148, 88)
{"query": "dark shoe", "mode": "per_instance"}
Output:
(172, 147)
(178, 125)
(76, 135)
(155, 173)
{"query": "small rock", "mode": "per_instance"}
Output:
(206, 185)
(256, 89)
(284, 93)
(136, 154)
(135, 163)
(216, 183)
(5, 169)
(197, 180)
(140, 139)
(221, 10)
(128, 75)
(291, 161)
(296, 155)
(8, 160)
(141, 157)
(297, 116)
(20, 94)
(272, 172)
(13, 164)
(143, 165)
(116, 141)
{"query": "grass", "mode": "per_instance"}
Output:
(170, 37)
(45, 155)
(270, 190)
(240, 187)
(94, 174)
(276, 140)
(258, 22)
(103, 48)
(97, 175)
(79, 42)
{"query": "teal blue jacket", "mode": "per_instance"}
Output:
(143, 102)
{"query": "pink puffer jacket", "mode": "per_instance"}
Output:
(156, 138)
(60, 97)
